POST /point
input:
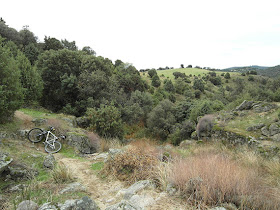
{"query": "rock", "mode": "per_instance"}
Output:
(124, 205)
(39, 121)
(5, 160)
(141, 201)
(113, 152)
(171, 189)
(27, 205)
(22, 134)
(133, 189)
(219, 208)
(245, 105)
(16, 188)
(81, 143)
(21, 172)
(73, 187)
(274, 129)
(255, 127)
(186, 144)
(264, 107)
(49, 162)
(276, 137)
(70, 122)
(83, 122)
(79, 204)
(103, 156)
(265, 131)
(47, 206)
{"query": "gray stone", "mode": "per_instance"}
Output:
(141, 200)
(171, 189)
(255, 127)
(124, 205)
(27, 205)
(133, 189)
(22, 172)
(22, 134)
(245, 105)
(73, 187)
(47, 206)
(39, 121)
(83, 122)
(274, 129)
(5, 160)
(16, 188)
(84, 203)
(81, 143)
(219, 208)
(264, 107)
(70, 122)
(103, 156)
(49, 162)
(265, 131)
(276, 137)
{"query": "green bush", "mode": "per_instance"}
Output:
(106, 120)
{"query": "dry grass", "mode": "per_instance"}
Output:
(57, 124)
(26, 120)
(94, 140)
(106, 144)
(132, 165)
(62, 174)
(209, 179)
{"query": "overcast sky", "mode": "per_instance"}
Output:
(159, 33)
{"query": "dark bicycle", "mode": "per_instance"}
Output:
(51, 144)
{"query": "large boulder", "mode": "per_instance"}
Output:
(264, 107)
(265, 131)
(245, 105)
(21, 172)
(27, 205)
(5, 160)
(274, 129)
(47, 206)
(124, 205)
(83, 122)
(255, 127)
(133, 189)
(81, 142)
(84, 203)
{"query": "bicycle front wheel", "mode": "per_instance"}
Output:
(53, 148)
(35, 135)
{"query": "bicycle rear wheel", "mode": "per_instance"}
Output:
(35, 135)
(53, 148)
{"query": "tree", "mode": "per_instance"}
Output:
(69, 45)
(152, 73)
(180, 86)
(30, 79)
(27, 37)
(168, 86)
(198, 85)
(227, 76)
(32, 52)
(11, 96)
(161, 119)
(52, 44)
(88, 50)
(60, 70)
(182, 66)
(156, 81)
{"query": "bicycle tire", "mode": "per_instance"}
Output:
(57, 147)
(35, 135)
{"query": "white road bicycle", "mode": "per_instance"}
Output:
(36, 135)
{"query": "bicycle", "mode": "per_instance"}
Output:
(36, 135)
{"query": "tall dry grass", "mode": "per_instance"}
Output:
(26, 120)
(209, 179)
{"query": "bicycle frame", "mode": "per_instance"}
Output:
(52, 140)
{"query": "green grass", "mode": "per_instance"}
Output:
(97, 166)
(70, 152)
(41, 113)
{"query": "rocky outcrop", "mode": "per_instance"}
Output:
(39, 121)
(20, 172)
(73, 187)
(256, 106)
(49, 162)
(83, 122)
(81, 143)
(5, 160)
(27, 205)
(84, 203)
(230, 137)
(245, 105)
(255, 127)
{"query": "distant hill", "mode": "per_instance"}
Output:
(261, 70)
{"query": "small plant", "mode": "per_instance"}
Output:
(97, 166)
(62, 174)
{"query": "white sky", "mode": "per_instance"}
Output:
(159, 33)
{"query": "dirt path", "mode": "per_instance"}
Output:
(102, 192)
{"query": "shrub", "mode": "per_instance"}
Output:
(152, 72)
(227, 76)
(251, 78)
(62, 174)
(132, 165)
(204, 125)
(156, 81)
(198, 85)
(106, 120)
(200, 109)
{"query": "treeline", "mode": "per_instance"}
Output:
(113, 96)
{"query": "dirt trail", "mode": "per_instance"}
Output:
(104, 192)
(100, 191)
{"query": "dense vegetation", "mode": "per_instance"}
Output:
(118, 99)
